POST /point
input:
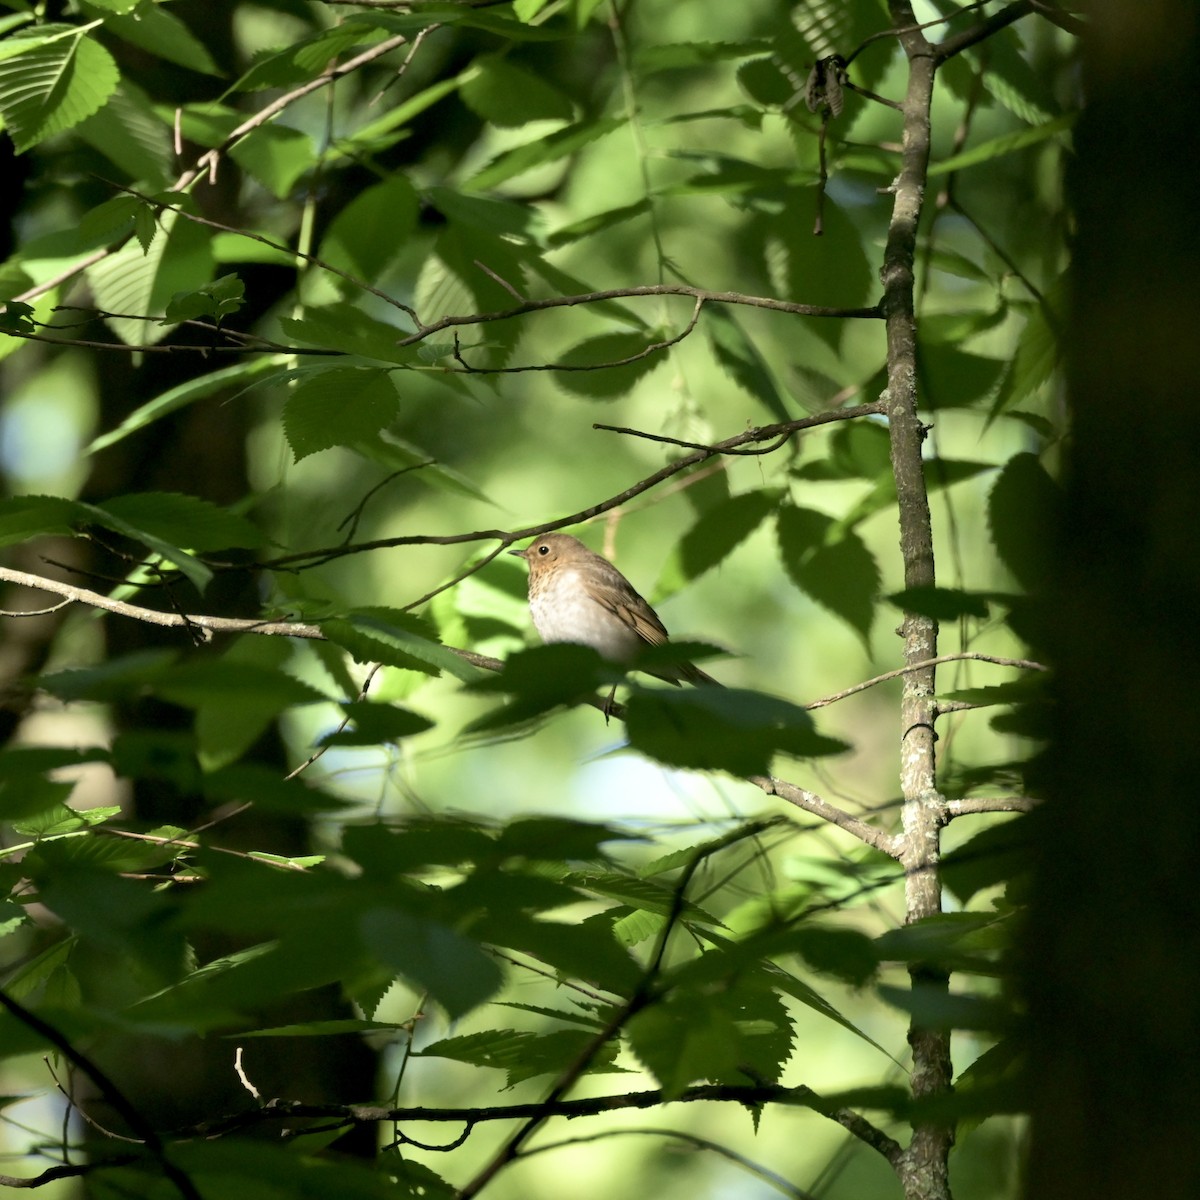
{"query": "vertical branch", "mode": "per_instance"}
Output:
(923, 1169)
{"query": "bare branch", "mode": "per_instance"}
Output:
(981, 32)
(810, 802)
(1025, 664)
(656, 289)
(109, 1090)
(974, 805)
(779, 433)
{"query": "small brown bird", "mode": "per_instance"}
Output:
(578, 596)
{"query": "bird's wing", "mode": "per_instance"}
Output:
(630, 608)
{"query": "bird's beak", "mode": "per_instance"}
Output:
(518, 553)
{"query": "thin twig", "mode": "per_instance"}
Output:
(974, 805)
(1024, 664)
(109, 1090)
(655, 289)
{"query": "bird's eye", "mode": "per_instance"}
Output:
(543, 549)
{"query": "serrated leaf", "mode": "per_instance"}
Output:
(214, 681)
(136, 283)
(718, 531)
(721, 729)
(54, 86)
(541, 679)
(24, 517)
(599, 222)
(397, 639)
(338, 407)
(349, 329)
(455, 970)
(593, 378)
(131, 135)
(954, 378)
(741, 359)
(164, 36)
(198, 524)
(1037, 356)
(733, 1035)
(1024, 510)
(836, 570)
(521, 1053)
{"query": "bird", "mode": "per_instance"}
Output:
(577, 595)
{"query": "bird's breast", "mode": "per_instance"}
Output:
(563, 611)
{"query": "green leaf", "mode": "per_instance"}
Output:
(521, 1054)
(764, 81)
(25, 517)
(857, 450)
(154, 29)
(343, 327)
(544, 150)
(131, 135)
(218, 681)
(1005, 144)
(541, 679)
(277, 156)
(595, 380)
(721, 729)
(997, 854)
(375, 722)
(953, 378)
(945, 939)
(54, 86)
(934, 1008)
(742, 360)
(832, 269)
(943, 604)
(116, 679)
(1037, 356)
(198, 524)
(215, 300)
(455, 970)
(835, 569)
(181, 396)
(508, 96)
(600, 222)
(718, 531)
(338, 407)
(376, 221)
(298, 63)
(1024, 510)
(397, 639)
(130, 281)
(739, 1034)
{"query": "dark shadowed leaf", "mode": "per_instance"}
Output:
(835, 568)
(721, 729)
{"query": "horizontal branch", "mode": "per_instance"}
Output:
(973, 805)
(810, 802)
(779, 434)
(369, 1114)
(702, 295)
(1024, 664)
